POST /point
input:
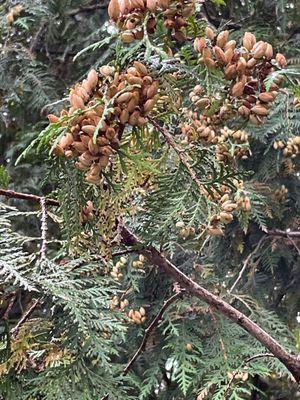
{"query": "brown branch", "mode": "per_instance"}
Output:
(256, 356)
(24, 318)
(286, 233)
(23, 196)
(181, 154)
(151, 328)
(246, 262)
(10, 305)
(291, 362)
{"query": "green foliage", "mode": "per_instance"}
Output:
(78, 339)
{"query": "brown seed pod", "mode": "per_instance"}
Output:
(124, 97)
(66, 140)
(281, 60)
(260, 50)
(238, 89)
(52, 118)
(79, 146)
(209, 33)
(89, 129)
(149, 105)
(124, 116)
(249, 40)
(230, 45)
(244, 111)
(127, 37)
(114, 9)
(228, 55)
(222, 38)
(266, 97)
(199, 44)
(269, 52)
(220, 55)
(92, 78)
(151, 5)
(230, 71)
(152, 90)
(260, 110)
(141, 68)
(76, 101)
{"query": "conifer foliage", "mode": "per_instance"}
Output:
(149, 231)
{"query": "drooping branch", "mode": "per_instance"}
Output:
(292, 362)
(151, 328)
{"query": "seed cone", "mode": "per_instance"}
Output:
(94, 134)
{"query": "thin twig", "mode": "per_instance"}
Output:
(287, 233)
(261, 355)
(44, 229)
(24, 318)
(246, 262)
(294, 244)
(10, 305)
(181, 154)
(151, 328)
(256, 356)
(24, 196)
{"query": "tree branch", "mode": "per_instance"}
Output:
(292, 362)
(24, 318)
(287, 233)
(23, 196)
(151, 328)
(181, 154)
(246, 262)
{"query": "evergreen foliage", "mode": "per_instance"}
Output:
(75, 300)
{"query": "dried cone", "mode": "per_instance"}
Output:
(114, 9)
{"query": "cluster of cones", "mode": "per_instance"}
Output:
(246, 67)
(130, 16)
(100, 108)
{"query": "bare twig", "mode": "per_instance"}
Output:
(24, 318)
(181, 154)
(10, 305)
(23, 196)
(256, 356)
(287, 233)
(151, 328)
(246, 262)
(44, 228)
(294, 244)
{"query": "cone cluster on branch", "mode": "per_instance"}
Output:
(104, 104)
(246, 68)
(130, 16)
(137, 316)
